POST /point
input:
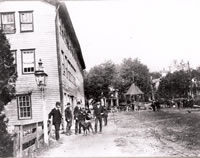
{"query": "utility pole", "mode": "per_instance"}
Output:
(190, 81)
(152, 91)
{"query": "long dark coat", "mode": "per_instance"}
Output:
(68, 114)
(57, 117)
(98, 111)
(76, 112)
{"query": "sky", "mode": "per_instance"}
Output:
(154, 31)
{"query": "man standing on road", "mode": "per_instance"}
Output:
(105, 115)
(68, 118)
(57, 117)
(157, 105)
(81, 117)
(153, 106)
(98, 112)
(88, 113)
(76, 117)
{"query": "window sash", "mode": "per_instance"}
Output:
(14, 53)
(28, 61)
(26, 21)
(26, 17)
(8, 18)
(24, 106)
(26, 27)
(7, 22)
(66, 67)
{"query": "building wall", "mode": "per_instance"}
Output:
(43, 40)
(72, 73)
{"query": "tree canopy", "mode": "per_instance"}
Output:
(155, 75)
(8, 77)
(175, 85)
(121, 76)
(98, 80)
(133, 71)
(8, 73)
(101, 77)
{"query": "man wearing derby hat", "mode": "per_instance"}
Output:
(98, 112)
(57, 117)
(76, 117)
(68, 119)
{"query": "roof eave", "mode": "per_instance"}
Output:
(69, 27)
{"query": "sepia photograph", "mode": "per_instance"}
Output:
(99, 78)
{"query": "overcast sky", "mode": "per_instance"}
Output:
(155, 31)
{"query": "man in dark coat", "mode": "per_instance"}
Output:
(81, 117)
(98, 112)
(157, 104)
(68, 119)
(76, 117)
(153, 106)
(57, 117)
(105, 115)
(88, 114)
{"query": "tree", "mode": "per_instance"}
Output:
(155, 75)
(8, 77)
(101, 77)
(98, 80)
(175, 85)
(133, 71)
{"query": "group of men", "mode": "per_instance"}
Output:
(80, 114)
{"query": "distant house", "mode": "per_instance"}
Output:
(42, 30)
(156, 83)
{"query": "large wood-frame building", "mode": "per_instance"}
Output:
(42, 30)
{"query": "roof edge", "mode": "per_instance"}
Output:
(70, 29)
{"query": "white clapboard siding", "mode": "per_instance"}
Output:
(43, 40)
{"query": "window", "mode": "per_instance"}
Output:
(28, 61)
(60, 30)
(14, 56)
(26, 21)
(14, 53)
(71, 66)
(24, 106)
(7, 22)
(62, 62)
(66, 66)
(70, 76)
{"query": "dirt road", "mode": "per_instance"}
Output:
(141, 133)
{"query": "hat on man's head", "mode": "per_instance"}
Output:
(68, 104)
(57, 103)
(78, 102)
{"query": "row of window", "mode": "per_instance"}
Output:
(28, 60)
(28, 63)
(72, 78)
(71, 66)
(28, 66)
(65, 69)
(65, 39)
(7, 21)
